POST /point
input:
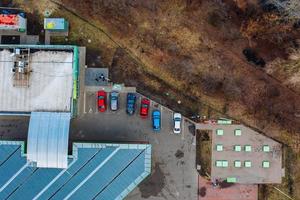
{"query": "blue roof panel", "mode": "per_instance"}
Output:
(6, 151)
(95, 171)
(12, 165)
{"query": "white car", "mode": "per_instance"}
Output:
(177, 123)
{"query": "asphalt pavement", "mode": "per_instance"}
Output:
(174, 174)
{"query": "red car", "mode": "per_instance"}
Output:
(145, 104)
(102, 101)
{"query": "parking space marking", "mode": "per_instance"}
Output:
(167, 124)
(183, 129)
(161, 117)
(84, 102)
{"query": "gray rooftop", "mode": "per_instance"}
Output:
(245, 146)
(50, 82)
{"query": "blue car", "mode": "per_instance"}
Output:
(131, 99)
(156, 120)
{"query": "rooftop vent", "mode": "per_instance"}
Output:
(21, 69)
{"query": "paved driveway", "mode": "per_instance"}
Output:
(173, 175)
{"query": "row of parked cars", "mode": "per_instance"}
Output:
(131, 107)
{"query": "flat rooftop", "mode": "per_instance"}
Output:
(50, 82)
(95, 171)
(242, 155)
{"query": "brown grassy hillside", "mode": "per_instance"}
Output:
(192, 50)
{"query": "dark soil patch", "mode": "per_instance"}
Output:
(252, 56)
(6, 3)
(10, 39)
(179, 154)
(203, 155)
(192, 129)
(202, 191)
(93, 58)
(153, 184)
(225, 184)
(34, 24)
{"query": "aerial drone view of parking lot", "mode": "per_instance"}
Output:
(150, 100)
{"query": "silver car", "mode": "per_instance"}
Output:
(177, 123)
(114, 101)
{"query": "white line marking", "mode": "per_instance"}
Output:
(57, 177)
(161, 117)
(13, 177)
(182, 132)
(84, 103)
(91, 174)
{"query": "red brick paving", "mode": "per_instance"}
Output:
(234, 192)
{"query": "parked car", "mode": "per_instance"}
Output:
(156, 120)
(102, 101)
(114, 101)
(131, 100)
(145, 104)
(177, 123)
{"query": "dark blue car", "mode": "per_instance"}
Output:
(156, 120)
(131, 99)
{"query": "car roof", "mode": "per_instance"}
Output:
(177, 115)
(156, 112)
(131, 96)
(144, 100)
(101, 92)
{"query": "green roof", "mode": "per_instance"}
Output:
(266, 148)
(237, 148)
(219, 147)
(266, 164)
(237, 163)
(221, 163)
(225, 163)
(231, 180)
(237, 132)
(247, 163)
(220, 132)
(224, 121)
(248, 148)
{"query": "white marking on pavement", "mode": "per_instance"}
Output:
(161, 117)
(183, 131)
(84, 102)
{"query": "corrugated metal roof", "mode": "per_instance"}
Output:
(47, 143)
(95, 171)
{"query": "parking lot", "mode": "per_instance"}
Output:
(174, 175)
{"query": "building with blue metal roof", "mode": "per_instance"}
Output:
(95, 171)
